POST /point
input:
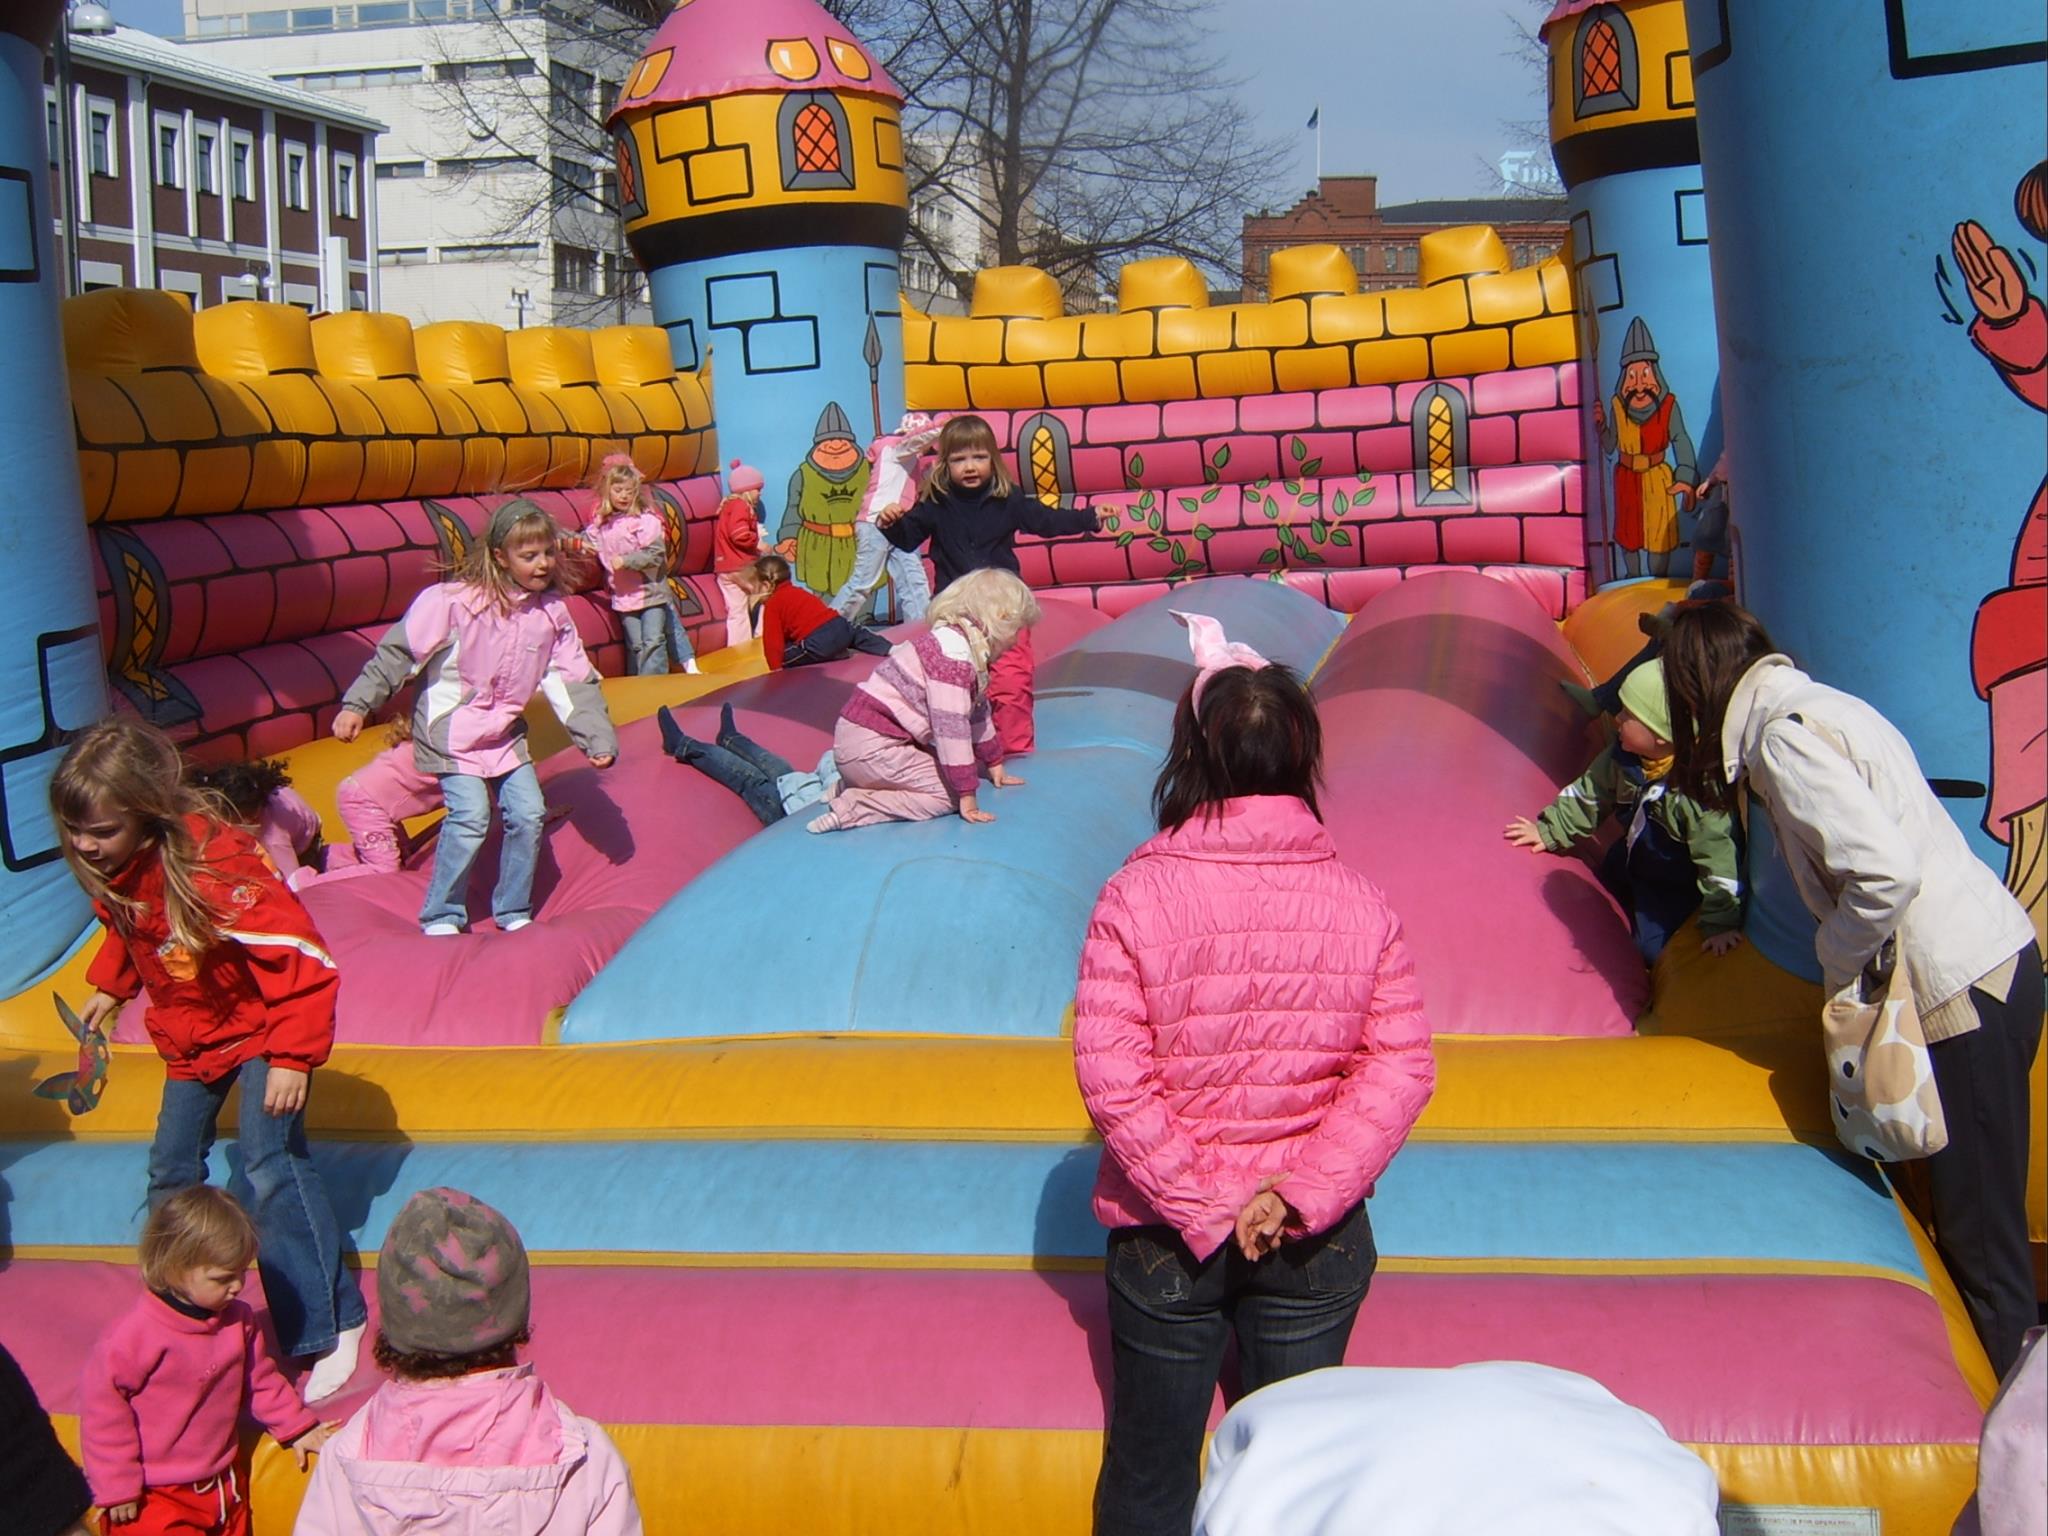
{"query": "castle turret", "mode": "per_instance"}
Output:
(1880, 206)
(760, 153)
(1621, 125)
(50, 676)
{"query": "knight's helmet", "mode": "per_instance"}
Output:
(832, 423)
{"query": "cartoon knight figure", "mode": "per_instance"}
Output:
(824, 503)
(1653, 456)
(2009, 649)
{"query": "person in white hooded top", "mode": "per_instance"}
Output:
(1877, 859)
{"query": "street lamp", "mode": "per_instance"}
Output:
(88, 18)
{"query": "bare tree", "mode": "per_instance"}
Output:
(1529, 135)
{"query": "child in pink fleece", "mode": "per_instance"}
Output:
(166, 1386)
(376, 800)
(1250, 1042)
(258, 795)
(464, 1437)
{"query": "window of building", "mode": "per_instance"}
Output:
(570, 90)
(50, 128)
(575, 182)
(1390, 258)
(345, 187)
(483, 165)
(1604, 69)
(487, 69)
(206, 160)
(489, 252)
(813, 138)
(1438, 422)
(295, 188)
(170, 151)
(400, 170)
(402, 256)
(1411, 258)
(575, 269)
(242, 165)
(355, 79)
(99, 136)
(622, 279)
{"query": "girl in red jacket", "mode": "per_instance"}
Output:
(241, 990)
(735, 544)
(1251, 1045)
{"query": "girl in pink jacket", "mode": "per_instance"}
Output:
(463, 1437)
(632, 545)
(1251, 1045)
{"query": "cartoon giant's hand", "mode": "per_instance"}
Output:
(1996, 287)
(1599, 417)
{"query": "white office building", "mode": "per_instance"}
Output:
(494, 181)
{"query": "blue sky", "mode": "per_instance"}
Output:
(1417, 94)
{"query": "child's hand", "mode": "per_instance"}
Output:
(121, 1514)
(284, 1091)
(99, 1010)
(602, 763)
(1721, 943)
(888, 515)
(304, 1447)
(348, 725)
(1002, 778)
(1524, 833)
(1260, 1223)
(969, 811)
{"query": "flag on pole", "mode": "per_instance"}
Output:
(1315, 118)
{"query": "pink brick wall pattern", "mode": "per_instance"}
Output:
(268, 617)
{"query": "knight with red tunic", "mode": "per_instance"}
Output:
(1653, 457)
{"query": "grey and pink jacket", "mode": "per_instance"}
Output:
(633, 549)
(1246, 1009)
(927, 692)
(491, 1452)
(480, 664)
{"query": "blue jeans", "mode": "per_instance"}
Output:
(873, 556)
(655, 638)
(522, 809)
(312, 1298)
(1169, 1320)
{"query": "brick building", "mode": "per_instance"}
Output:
(1384, 244)
(212, 182)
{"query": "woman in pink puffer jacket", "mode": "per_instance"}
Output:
(1251, 1044)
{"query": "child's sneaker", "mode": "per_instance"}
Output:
(825, 823)
(514, 924)
(690, 667)
(442, 930)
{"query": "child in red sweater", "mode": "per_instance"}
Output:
(167, 1384)
(241, 991)
(735, 543)
(796, 626)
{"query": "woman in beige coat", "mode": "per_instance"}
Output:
(1876, 858)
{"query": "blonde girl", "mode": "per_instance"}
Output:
(241, 992)
(486, 642)
(632, 546)
(167, 1384)
(914, 739)
(971, 512)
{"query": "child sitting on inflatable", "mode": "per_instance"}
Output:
(463, 1437)
(769, 783)
(892, 487)
(258, 796)
(1673, 855)
(167, 1384)
(796, 626)
(913, 739)
(489, 640)
(632, 546)
(376, 801)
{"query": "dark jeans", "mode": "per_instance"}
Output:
(742, 765)
(832, 640)
(311, 1297)
(1656, 885)
(1169, 1320)
(1979, 1180)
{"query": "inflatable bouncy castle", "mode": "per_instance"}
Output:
(806, 1183)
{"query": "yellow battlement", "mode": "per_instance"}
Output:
(248, 407)
(1017, 348)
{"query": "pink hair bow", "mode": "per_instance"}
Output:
(613, 461)
(1212, 652)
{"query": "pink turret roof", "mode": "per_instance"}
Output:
(710, 48)
(1565, 9)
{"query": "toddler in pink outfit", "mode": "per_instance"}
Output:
(167, 1384)
(258, 795)
(375, 802)
(506, 1455)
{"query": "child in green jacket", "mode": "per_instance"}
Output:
(1674, 855)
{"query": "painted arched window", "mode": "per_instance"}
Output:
(1604, 75)
(1443, 475)
(816, 145)
(1045, 460)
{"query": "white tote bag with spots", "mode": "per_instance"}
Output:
(1881, 1089)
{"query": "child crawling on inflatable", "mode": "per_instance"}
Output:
(1674, 855)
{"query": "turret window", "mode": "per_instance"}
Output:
(1604, 53)
(814, 139)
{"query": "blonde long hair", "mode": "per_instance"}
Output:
(617, 467)
(512, 522)
(990, 609)
(135, 770)
(959, 434)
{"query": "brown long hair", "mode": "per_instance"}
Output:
(1709, 648)
(135, 769)
(1258, 734)
(958, 434)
